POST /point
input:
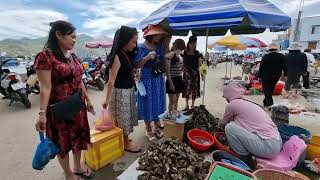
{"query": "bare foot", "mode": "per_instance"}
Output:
(287, 95)
(72, 177)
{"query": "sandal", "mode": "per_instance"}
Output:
(158, 133)
(85, 174)
(151, 136)
(133, 150)
(186, 108)
(77, 178)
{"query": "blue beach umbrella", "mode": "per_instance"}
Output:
(218, 16)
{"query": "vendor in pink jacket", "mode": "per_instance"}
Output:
(249, 129)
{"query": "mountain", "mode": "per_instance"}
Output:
(30, 47)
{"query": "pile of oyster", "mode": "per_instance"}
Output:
(172, 160)
(223, 140)
(201, 119)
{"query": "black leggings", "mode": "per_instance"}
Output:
(306, 80)
(269, 83)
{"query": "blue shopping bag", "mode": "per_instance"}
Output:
(141, 88)
(46, 150)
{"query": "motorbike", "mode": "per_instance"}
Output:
(32, 83)
(92, 76)
(12, 86)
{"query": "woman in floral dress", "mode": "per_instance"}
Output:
(59, 72)
(191, 75)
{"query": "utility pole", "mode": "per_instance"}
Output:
(296, 34)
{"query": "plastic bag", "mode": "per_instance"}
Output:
(141, 88)
(104, 122)
(46, 150)
(203, 69)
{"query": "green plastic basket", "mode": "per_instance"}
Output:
(222, 173)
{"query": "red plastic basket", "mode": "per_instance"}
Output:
(278, 89)
(257, 85)
(221, 147)
(200, 133)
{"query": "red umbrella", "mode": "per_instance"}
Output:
(101, 42)
(261, 44)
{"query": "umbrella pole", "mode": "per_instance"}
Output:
(231, 66)
(204, 78)
(225, 76)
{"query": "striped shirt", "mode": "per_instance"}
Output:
(176, 66)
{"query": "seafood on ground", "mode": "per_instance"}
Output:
(201, 119)
(223, 140)
(172, 160)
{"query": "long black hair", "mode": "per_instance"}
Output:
(65, 28)
(121, 38)
(192, 39)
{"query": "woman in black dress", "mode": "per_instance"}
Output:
(191, 76)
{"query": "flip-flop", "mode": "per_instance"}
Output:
(151, 136)
(134, 150)
(85, 174)
(158, 133)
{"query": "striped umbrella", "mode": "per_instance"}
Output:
(261, 44)
(234, 41)
(216, 17)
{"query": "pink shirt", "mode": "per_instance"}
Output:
(247, 114)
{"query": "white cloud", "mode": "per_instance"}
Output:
(292, 7)
(108, 15)
(100, 24)
(27, 23)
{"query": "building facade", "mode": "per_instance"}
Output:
(308, 32)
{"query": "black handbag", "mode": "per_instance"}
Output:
(71, 105)
(159, 67)
(68, 107)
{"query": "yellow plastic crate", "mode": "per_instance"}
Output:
(106, 147)
(313, 149)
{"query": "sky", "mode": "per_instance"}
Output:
(31, 18)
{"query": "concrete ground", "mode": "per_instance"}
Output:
(18, 137)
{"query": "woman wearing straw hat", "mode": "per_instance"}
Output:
(297, 64)
(153, 103)
(272, 66)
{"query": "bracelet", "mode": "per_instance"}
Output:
(42, 112)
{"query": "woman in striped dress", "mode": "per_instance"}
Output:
(174, 83)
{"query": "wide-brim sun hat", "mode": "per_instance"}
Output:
(154, 30)
(295, 47)
(273, 46)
